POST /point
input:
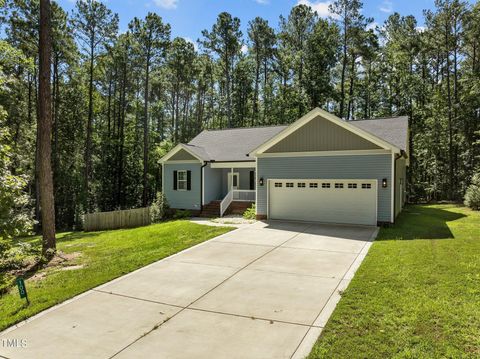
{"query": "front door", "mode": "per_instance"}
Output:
(233, 180)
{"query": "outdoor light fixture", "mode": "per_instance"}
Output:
(261, 181)
(384, 183)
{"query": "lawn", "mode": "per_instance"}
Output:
(417, 293)
(99, 257)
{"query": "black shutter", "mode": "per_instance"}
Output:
(174, 180)
(189, 180)
(252, 180)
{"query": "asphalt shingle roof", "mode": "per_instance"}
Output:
(234, 144)
(393, 130)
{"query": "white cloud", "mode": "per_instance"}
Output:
(195, 45)
(420, 28)
(166, 4)
(244, 49)
(386, 7)
(322, 8)
(262, 2)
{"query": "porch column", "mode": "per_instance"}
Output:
(231, 179)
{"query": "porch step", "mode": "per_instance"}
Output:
(211, 210)
(238, 207)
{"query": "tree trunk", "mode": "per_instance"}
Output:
(88, 143)
(145, 134)
(44, 129)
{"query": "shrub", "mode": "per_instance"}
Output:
(250, 212)
(180, 213)
(159, 208)
(472, 195)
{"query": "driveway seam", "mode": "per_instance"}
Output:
(249, 317)
(209, 291)
(137, 298)
(372, 237)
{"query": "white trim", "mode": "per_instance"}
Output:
(176, 149)
(327, 116)
(375, 181)
(325, 153)
(163, 178)
(256, 186)
(180, 162)
(392, 191)
(183, 180)
(248, 164)
(202, 168)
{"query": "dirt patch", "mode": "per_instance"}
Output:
(38, 271)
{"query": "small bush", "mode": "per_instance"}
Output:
(16, 256)
(472, 195)
(250, 212)
(179, 214)
(159, 208)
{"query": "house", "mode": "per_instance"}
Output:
(319, 168)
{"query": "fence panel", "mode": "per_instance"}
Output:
(117, 219)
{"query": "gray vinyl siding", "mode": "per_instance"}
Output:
(328, 167)
(182, 199)
(321, 135)
(182, 155)
(400, 175)
(213, 183)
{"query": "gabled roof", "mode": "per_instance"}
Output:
(317, 112)
(393, 130)
(233, 144)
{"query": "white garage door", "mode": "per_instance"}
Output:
(335, 201)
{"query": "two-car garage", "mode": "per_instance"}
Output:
(323, 200)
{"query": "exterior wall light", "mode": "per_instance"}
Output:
(260, 182)
(384, 183)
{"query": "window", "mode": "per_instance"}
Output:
(182, 180)
(301, 185)
(338, 185)
(352, 185)
(289, 184)
(313, 185)
(325, 185)
(278, 184)
(366, 185)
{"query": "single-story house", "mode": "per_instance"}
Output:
(319, 168)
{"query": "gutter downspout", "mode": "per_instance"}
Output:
(201, 184)
(396, 157)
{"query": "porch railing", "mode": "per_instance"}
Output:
(244, 195)
(226, 202)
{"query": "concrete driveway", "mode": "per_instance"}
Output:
(262, 291)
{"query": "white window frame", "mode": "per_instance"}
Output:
(185, 180)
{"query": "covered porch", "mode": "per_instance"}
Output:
(228, 182)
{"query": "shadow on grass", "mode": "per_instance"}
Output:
(420, 222)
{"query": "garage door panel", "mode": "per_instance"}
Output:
(337, 205)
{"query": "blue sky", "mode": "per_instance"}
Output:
(189, 17)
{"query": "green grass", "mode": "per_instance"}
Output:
(417, 293)
(104, 256)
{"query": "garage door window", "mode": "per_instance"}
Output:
(366, 185)
(301, 185)
(325, 185)
(338, 185)
(278, 184)
(352, 185)
(289, 184)
(313, 185)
